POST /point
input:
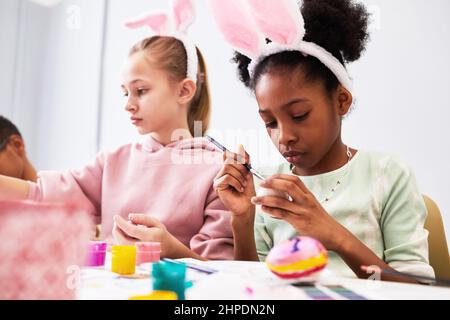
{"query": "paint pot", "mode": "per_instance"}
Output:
(123, 259)
(147, 252)
(169, 276)
(96, 254)
(157, 295)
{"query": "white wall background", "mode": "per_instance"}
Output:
(60, 82)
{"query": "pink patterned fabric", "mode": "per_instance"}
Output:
(42, 249)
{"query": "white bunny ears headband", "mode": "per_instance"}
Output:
(175, 25)
(246, 24)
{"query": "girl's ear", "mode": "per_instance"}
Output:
(344, 99)
(187, 90)
(17, 143)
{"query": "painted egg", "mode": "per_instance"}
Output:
(262, 192)
(299, 257)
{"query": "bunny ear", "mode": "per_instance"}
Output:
(238, 26)
(158, 22)
(183, 13)
(279, 20)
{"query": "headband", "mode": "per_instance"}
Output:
(246, 24)
(176, 26)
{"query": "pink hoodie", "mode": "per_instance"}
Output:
(172, 183)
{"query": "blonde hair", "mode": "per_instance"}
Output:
(170, 55)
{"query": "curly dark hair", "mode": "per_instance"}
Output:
(339, 26)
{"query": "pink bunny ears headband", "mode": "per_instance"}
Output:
(246, 24)
(175, 25)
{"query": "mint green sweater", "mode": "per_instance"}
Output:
(377, 200)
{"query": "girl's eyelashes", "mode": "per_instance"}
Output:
(124, 91)
(273, 124)
(141, 91)
(301, 117)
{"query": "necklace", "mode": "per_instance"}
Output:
(339, 182)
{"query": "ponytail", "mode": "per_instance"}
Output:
(200, 109)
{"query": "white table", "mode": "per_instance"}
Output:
(236, 280)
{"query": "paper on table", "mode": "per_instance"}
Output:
(241, 280)
(222, 286)
(252, 270)
(234, 280)
(249, 280)
(100, 283)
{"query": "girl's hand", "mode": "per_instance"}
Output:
(143, 228)
(234, 183)
(304, 212)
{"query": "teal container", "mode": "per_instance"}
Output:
(169, 276)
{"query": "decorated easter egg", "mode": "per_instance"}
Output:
(297, 258)
(262, 192)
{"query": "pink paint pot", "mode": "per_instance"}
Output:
(96, 254)
(147, 252)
